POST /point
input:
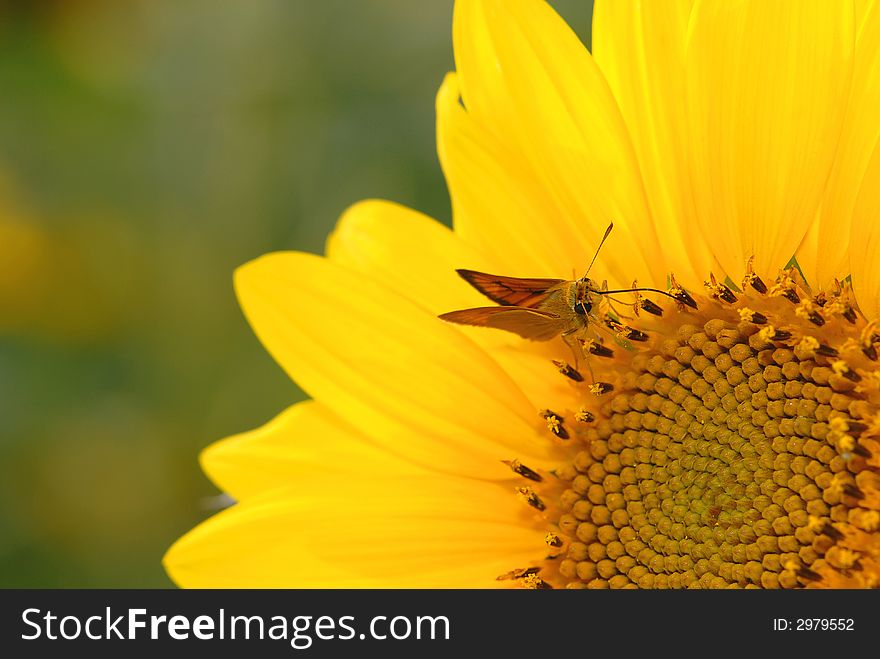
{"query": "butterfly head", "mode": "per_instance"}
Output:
(582, 302)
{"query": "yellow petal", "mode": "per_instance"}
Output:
(865, 244)
(376, 531)
(303, 440)
(498, 205)
(413, 383)
(526, 79)
(409, 252)
(767, 88)
(863, 8)
(417, 257)
(539, 379)
(640, 48)
(824, 255)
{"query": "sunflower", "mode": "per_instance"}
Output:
(727, 437)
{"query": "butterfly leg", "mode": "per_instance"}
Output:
(571, 341)
(611, 302)
(608, 305)
(594, 346)
(577, 349)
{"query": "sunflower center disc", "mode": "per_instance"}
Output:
(729, 454)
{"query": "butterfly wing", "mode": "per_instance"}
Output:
(528, 323)
(510, 291)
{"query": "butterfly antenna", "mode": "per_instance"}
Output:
(602, 242)
(636, 290)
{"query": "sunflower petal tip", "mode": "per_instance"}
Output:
(211, 456)
(448, 95)
(171, 564)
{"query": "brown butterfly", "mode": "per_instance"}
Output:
(542, 309)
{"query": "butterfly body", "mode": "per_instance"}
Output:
(536, 309)
(542, 309)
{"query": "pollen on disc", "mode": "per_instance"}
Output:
(730, 454)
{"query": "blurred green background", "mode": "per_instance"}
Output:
(147, 148)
